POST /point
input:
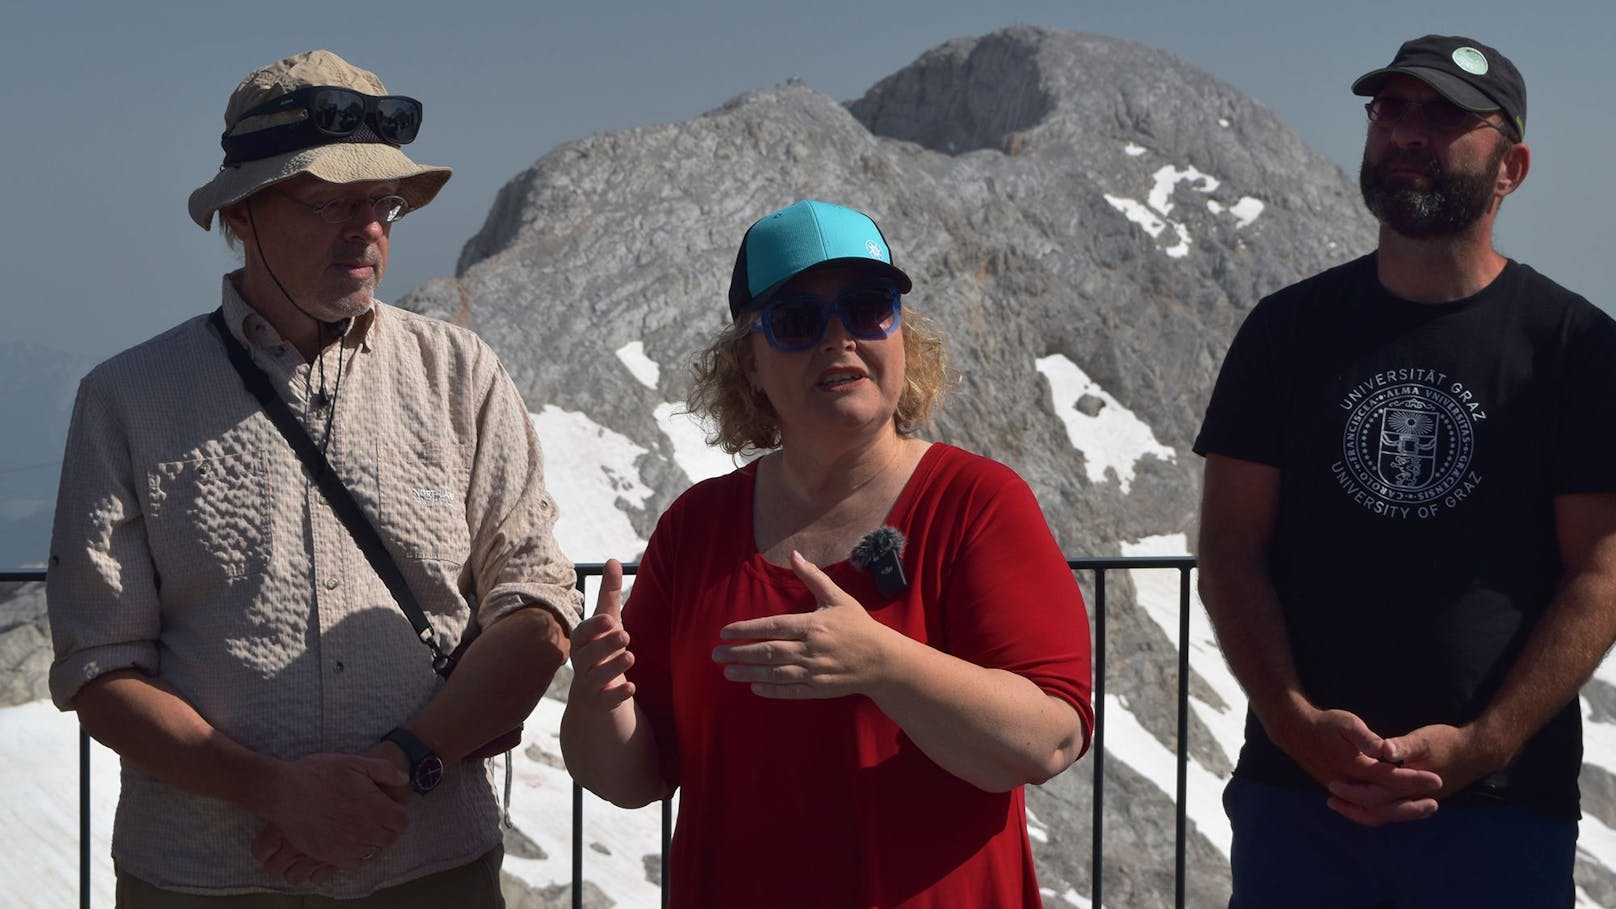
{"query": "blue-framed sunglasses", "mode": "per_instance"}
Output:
(796, 322)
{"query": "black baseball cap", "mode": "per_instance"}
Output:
(1464, 71)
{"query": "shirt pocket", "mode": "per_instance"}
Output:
(423, 502)
(208, 518)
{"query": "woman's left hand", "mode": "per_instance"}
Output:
(990, 727)
(836, 650)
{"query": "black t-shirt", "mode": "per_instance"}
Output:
(1421, 447)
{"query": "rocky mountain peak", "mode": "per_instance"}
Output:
(1052, 194)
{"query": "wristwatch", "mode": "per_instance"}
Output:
(426, 768)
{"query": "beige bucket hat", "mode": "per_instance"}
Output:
(341, 162)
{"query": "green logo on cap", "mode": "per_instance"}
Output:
(1471, 61)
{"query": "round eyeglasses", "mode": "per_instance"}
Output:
(387, 209)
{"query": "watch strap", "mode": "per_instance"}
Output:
(414, 749)
(426, 768)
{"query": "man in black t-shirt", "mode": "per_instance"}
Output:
(1408, 530)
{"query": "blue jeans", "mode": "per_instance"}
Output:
(1291, 850)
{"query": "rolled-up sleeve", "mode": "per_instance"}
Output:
(515, 560)
(101, 589)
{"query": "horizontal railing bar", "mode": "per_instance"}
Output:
(595, 569)
(1109, 562)
(1087, 563)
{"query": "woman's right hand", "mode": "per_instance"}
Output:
(600, 654)
(605, 738)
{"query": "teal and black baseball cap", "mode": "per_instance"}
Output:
(805, 235)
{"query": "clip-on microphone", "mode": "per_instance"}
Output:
(881, 554)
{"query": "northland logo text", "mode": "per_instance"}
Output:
(1408, 443)
(432, 498)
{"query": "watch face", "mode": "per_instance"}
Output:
(427, 774)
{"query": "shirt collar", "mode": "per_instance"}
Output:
(254, 330)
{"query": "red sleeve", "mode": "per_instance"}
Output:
(1009, 601)
(647, 618)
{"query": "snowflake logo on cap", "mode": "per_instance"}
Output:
(1471, 61)
(874, 249)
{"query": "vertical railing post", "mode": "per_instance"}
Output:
(1096, 865)
(84, 819)
(582, 577)
(667, 839)
(577, 846)
(1181, 828)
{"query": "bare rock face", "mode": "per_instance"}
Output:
(25, 648)
(1051, 193)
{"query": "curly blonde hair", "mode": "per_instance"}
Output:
(741, 418)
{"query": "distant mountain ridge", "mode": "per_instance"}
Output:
(40, 385)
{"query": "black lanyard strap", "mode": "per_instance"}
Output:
(336, 493)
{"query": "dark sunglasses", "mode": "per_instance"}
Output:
(331, 114)
(796, 322)
(1437, 113)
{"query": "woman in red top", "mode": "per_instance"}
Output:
(846, 731)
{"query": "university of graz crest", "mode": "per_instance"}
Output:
(1408, 443)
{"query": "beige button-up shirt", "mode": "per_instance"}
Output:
(190, 544)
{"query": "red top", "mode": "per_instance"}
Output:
(827, 803)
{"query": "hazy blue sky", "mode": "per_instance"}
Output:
(117, 107)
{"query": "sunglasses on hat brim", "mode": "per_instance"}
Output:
(331, 114)
(795, 322)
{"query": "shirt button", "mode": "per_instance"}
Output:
(331, 583)
(339, 666)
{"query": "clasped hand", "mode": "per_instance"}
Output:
(1375, 781)
(837, 649)
(329, 813)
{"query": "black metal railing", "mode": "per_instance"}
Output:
(1098, 566)
(1184, 565)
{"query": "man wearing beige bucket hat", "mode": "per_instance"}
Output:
(265, 512)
